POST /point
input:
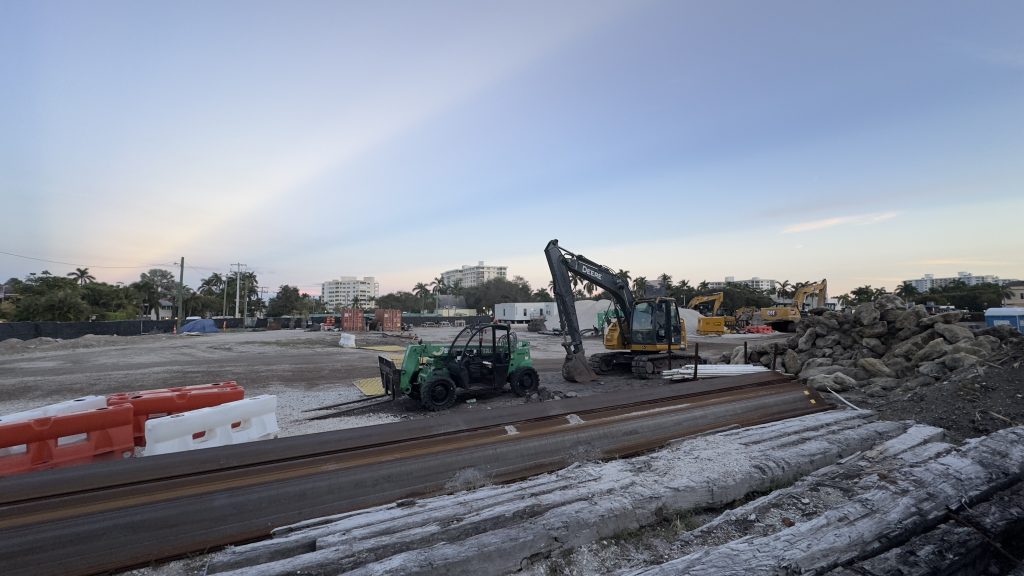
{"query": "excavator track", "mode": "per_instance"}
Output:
(650, 365)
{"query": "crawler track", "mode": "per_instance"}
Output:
(119, 514)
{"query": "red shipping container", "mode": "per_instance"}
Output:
(388, 319)
(352, 320)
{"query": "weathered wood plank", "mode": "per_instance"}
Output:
(466, 534)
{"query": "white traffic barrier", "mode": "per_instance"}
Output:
(82, 404)
(236, 422)
(711, 371)
(347, 340)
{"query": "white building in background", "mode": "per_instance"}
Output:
(346, 289)
(469, 276)
(930, 281)
(755, 282)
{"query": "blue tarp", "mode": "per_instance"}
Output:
(204, 326)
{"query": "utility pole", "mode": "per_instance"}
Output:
(226, 294)
(181, 293)
(245, 305)
(238, 285)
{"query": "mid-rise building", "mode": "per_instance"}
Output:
(1016, 295)
(930, 281)
(348, 289)
(755, 282)
(469, 276)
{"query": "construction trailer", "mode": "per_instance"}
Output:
(523, 312)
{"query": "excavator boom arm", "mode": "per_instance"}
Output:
(563, 263)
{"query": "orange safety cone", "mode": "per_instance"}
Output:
(174, 329)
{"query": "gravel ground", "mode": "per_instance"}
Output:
(304, 370)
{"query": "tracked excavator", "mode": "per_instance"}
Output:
(784, 318)
(712, 324)
(641, 337)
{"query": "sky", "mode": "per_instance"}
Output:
(865, 143)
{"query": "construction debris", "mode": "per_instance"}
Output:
(880, 347)
(501, 529)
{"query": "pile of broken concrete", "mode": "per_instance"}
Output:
(880, 347)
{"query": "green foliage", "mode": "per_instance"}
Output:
(288, 302)
(866, 294)
(486, 295)
(975, 298)
(407, 301)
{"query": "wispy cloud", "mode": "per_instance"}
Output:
(859, 220)
(963, 262)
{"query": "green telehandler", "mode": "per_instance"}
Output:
(482, 357)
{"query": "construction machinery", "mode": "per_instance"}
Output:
(711, 324)
(641, 334)
(484, 356)
(784, 318)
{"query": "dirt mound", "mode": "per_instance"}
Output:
(971, 402)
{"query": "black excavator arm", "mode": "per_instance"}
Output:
(563, 263)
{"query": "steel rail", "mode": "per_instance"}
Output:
(75, 531)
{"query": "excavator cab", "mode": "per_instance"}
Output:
(656, 325)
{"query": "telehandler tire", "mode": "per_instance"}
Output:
(524, 381)
(438, 394)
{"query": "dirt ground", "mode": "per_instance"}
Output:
(304, 370)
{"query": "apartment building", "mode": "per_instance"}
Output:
(929, 281)
(755, 282)
(469, 276)
(346, 289)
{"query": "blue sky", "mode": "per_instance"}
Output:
(862, 142)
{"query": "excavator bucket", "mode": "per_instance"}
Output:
(577, 369)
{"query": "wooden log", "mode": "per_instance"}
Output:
(895, 505)
(966, 544)
(501, 529)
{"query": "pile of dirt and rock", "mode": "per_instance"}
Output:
(907, 363)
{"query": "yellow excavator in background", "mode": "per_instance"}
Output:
(711, 324)
(784, 318)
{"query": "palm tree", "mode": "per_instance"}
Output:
(844, 300)
(907, 291)
(702, 286)
(438, 286)
(640, 286)
(782, 289)
(82, 276)
(624, 275)
(212, 284)
(589, 288)
(665, 281)
(422, 291)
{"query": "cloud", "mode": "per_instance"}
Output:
(859, 220)
(963, 262)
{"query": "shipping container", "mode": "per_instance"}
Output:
(388, 319)
(352, 320)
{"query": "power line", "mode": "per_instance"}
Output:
(79, 265)
(75, 264)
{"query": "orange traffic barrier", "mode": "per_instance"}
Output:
(162, 402)
(67, 440)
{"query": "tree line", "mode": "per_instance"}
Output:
(77, 296)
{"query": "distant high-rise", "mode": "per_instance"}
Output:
(930, 281)
(469, 276)
(348, 289)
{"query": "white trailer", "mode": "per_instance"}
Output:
(523, 312)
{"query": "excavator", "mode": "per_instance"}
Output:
(784, 318)
(642, 333)
(711, 324)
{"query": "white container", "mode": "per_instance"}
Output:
(347, 340)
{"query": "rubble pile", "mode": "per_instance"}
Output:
(881, 347)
